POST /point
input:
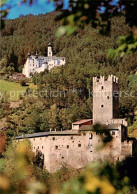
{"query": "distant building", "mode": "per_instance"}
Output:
(37, 64)
(17, 77)
(78, 147)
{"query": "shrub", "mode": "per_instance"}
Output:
(23, 82)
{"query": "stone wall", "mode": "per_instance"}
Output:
(76, 150)
(104, 103)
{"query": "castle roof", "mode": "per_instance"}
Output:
(82, 121)
(42, 134)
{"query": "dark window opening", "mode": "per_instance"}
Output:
(71, 137)
(34, 147)
(102, 87)
(107, 97)
(42, 147)
(90, 151)
(53, 138)
(84, 134)
(56, 147)
(79, 145)
(102, 106)
(62, 157)
(113, 132)
(67, 146)
(38, 147)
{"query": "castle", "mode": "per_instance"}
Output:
(37, 64)
(78, 146)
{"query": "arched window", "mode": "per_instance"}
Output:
(90, 136)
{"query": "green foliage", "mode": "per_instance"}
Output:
(127, 45)
(98, 178)
(18, 172)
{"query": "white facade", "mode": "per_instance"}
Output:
(40, 63)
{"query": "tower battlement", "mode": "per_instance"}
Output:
(105, 99)
(103, 79)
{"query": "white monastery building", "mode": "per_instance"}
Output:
(37, 64)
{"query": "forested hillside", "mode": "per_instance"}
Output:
(86, 56)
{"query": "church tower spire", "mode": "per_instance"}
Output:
(50, 52)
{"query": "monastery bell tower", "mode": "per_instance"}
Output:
(50, 52)
(105, 99)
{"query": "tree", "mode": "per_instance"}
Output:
(53, 117)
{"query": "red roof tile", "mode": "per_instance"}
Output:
(82, 121)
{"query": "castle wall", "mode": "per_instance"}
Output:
(76, 150)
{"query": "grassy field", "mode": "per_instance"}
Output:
(13, 90)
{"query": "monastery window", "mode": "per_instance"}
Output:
(102, 87)
(90, 136)
(62, 157)
(42, 147)
(38, 147)
(107, 97)
(113, 132)
(53, 138)
(79, 145)
(67, 146)
(102, 106)
(56, 147)
(72, 137)
(84, 134)
(90, 151)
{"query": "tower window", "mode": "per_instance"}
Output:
(79, 145)
(113, 132)
(107, 97)
(56, 147)
(67, 146)
(102, 87)
(53, 138)
(90, 136)
(102, 106)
